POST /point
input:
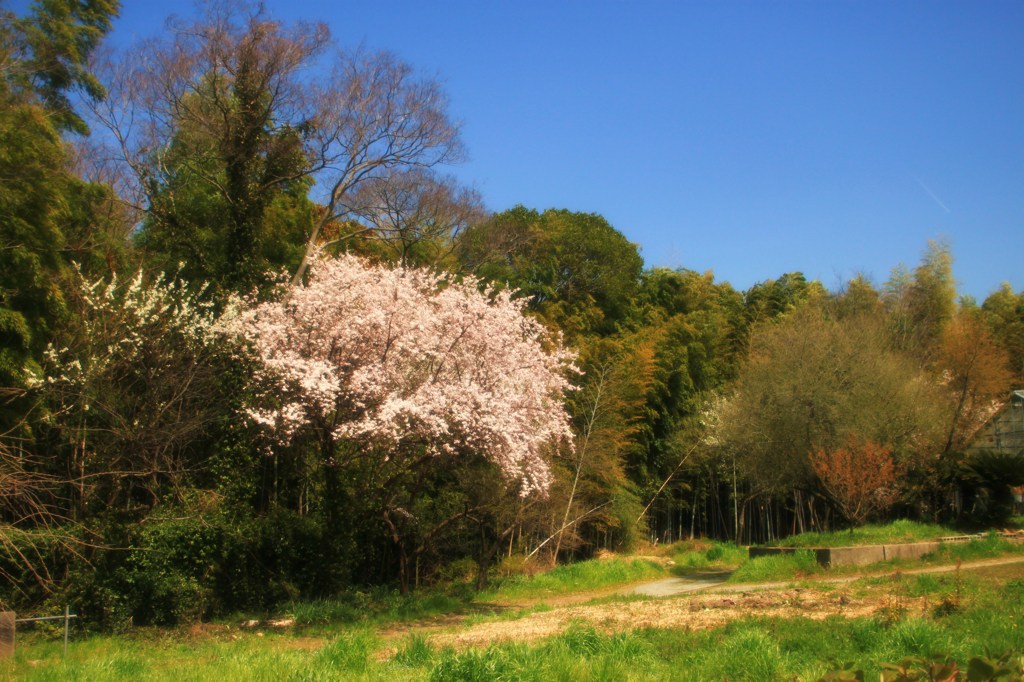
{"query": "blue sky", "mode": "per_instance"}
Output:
(746, 138)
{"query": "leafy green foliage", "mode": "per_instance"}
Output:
(811, 382)
(191, 562)
(578, 271)
(222, 212)
(920, 305)
(31, 202)
(41, 201)
(52, 47)
(1004, 311)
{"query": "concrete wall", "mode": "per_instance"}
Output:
(853, 556)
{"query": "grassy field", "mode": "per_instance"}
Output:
(379, 635)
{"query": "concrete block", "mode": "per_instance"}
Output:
(910, 551)
(855, 556)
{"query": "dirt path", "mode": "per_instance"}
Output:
(702, 603)
(673, 586)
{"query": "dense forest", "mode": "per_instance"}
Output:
(256, 346)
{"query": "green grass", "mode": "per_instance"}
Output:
(579, 577)
(799, 564)
(990, 620)
(967, 615)
(891, 533)
(802, 563)
(986, 547)
(695, 556)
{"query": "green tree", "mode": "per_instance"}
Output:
(31, 206)
(714, 310)
(772, 300)
(1004, 311)
(225, 178)
(811, 382)
(608, 411)
(579, 272)
(858, 297)
(692, 322)
(920, 305)
(42, 57)
(242, 158)
(48, 52)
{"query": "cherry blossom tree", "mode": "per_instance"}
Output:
(402, 370)
(389, 357)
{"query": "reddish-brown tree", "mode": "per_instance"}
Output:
(860, 476)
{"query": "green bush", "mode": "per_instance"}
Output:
(187, 563)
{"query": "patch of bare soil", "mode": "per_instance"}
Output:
(692, 613)
(695, 611)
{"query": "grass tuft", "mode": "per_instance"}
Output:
(986, 547)
(350, 652)
(415, 653)
(799, 564)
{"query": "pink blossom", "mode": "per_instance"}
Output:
(394, 356)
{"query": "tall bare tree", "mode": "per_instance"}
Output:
(240, 108)
(417, 214)
(375, 117)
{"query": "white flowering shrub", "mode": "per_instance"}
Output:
(120, 320)
(130, 386)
